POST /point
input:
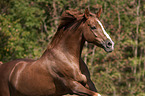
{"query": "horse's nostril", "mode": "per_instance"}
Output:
(109, 44)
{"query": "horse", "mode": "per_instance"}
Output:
(60, 70)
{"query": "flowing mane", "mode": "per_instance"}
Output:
(69, 20)
(68, 17)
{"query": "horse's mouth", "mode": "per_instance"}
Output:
(108, 50)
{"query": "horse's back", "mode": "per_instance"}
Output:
(6, 68)
(5, 71)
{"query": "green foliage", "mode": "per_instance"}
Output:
(27, 26)
(20, 30)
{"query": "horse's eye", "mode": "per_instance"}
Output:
(93, 27)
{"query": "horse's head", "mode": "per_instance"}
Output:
(94, 32)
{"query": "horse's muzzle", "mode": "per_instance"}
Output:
(108, 46)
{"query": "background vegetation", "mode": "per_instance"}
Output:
(27, 26)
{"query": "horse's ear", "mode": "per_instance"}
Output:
(99, 12)
(87, 13)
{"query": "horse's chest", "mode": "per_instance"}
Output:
(68, 71)
(65, 65)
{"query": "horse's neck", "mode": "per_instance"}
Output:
(70, 42)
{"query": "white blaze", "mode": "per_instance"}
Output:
(99, 95)
(105, 32)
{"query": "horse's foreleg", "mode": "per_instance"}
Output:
(79, 89)
(90, 85)
(84, 69)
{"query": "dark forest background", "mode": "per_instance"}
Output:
(27, 26)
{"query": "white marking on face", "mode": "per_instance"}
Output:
(99, 95)
(105, 33)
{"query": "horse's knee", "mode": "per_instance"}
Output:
(84, 80)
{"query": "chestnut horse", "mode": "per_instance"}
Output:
(60, 70)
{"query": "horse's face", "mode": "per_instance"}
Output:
(95, 33)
